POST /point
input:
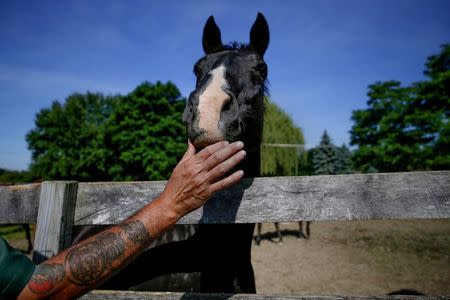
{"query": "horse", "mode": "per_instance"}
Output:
(226, 105)
(300, 234)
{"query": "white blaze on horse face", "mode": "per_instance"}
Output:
(211, 102)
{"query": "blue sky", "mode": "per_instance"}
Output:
(322, 55)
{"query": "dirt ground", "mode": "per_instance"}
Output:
(346, 258)
(355, 258)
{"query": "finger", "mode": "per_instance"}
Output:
(227, 181)
(189, 152)
(221, 155)
(205, 153)
(224, 167)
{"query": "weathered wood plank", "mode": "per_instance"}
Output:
(55, 218)
(105, 295)
(19, 203)
(412, 195)
(340, 197)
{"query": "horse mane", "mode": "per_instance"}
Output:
(234, 46)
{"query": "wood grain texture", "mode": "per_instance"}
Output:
(19, 203)
(55, 218)
(106, 295)
(412, 195)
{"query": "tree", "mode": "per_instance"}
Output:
(11, 176)
(67, 142)
(279, 129)
(344, 162)
(93, 137)
(328, 159)
(145, 133)
(324, 156)
(406, 128)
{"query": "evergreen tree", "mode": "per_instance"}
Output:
(324, 156)
(328, 159)
(344, 163)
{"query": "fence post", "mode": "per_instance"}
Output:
(55, 218)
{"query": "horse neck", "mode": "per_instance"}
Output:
(252, 163)
(252, 141)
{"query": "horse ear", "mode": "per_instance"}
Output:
(259, 35)
(211, 36)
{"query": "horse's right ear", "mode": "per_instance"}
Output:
(211, 36)
(259, 35)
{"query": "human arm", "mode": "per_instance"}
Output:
(91, 262)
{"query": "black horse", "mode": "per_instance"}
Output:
(227, 104)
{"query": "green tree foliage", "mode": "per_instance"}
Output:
(146, 134)
(279, 129)
(328, 159)
(10, 176)
(344, 161)
(68, 140)
(406, 128)
(95, 137)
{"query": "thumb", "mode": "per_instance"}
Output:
(190, 151)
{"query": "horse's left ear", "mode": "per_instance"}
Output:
(259, 35)
(211, 36)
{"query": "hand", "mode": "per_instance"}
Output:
(198, 176)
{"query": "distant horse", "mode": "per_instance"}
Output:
(227, 104)
(301, 234)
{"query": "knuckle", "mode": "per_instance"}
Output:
(221, 169)
(217, 156)
(207, 192)
(197, 181)
(208, 150)
(191, 172)
(224, 183)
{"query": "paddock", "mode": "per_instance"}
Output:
(58, 205)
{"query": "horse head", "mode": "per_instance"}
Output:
(227, 103)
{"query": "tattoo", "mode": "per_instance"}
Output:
(45, 278)
(112, 246)
(89, 261)
(136, 232)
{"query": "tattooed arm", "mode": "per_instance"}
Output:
(91, 262)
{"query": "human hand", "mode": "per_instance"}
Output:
(198, 176)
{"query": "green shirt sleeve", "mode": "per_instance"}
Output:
(15, 270)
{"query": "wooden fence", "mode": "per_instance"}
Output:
(58, 205)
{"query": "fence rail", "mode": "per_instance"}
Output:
(412, 195)
(106, 295)
(58, 205)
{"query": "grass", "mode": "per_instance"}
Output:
(12, 231)
(15, 235)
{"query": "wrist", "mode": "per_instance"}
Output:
(167, 209)
(158, 216)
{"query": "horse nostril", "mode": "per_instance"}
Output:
(230, 105)
(229, 116)
(227, 106)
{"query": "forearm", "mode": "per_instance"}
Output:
(87, 264)
(91, 262)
